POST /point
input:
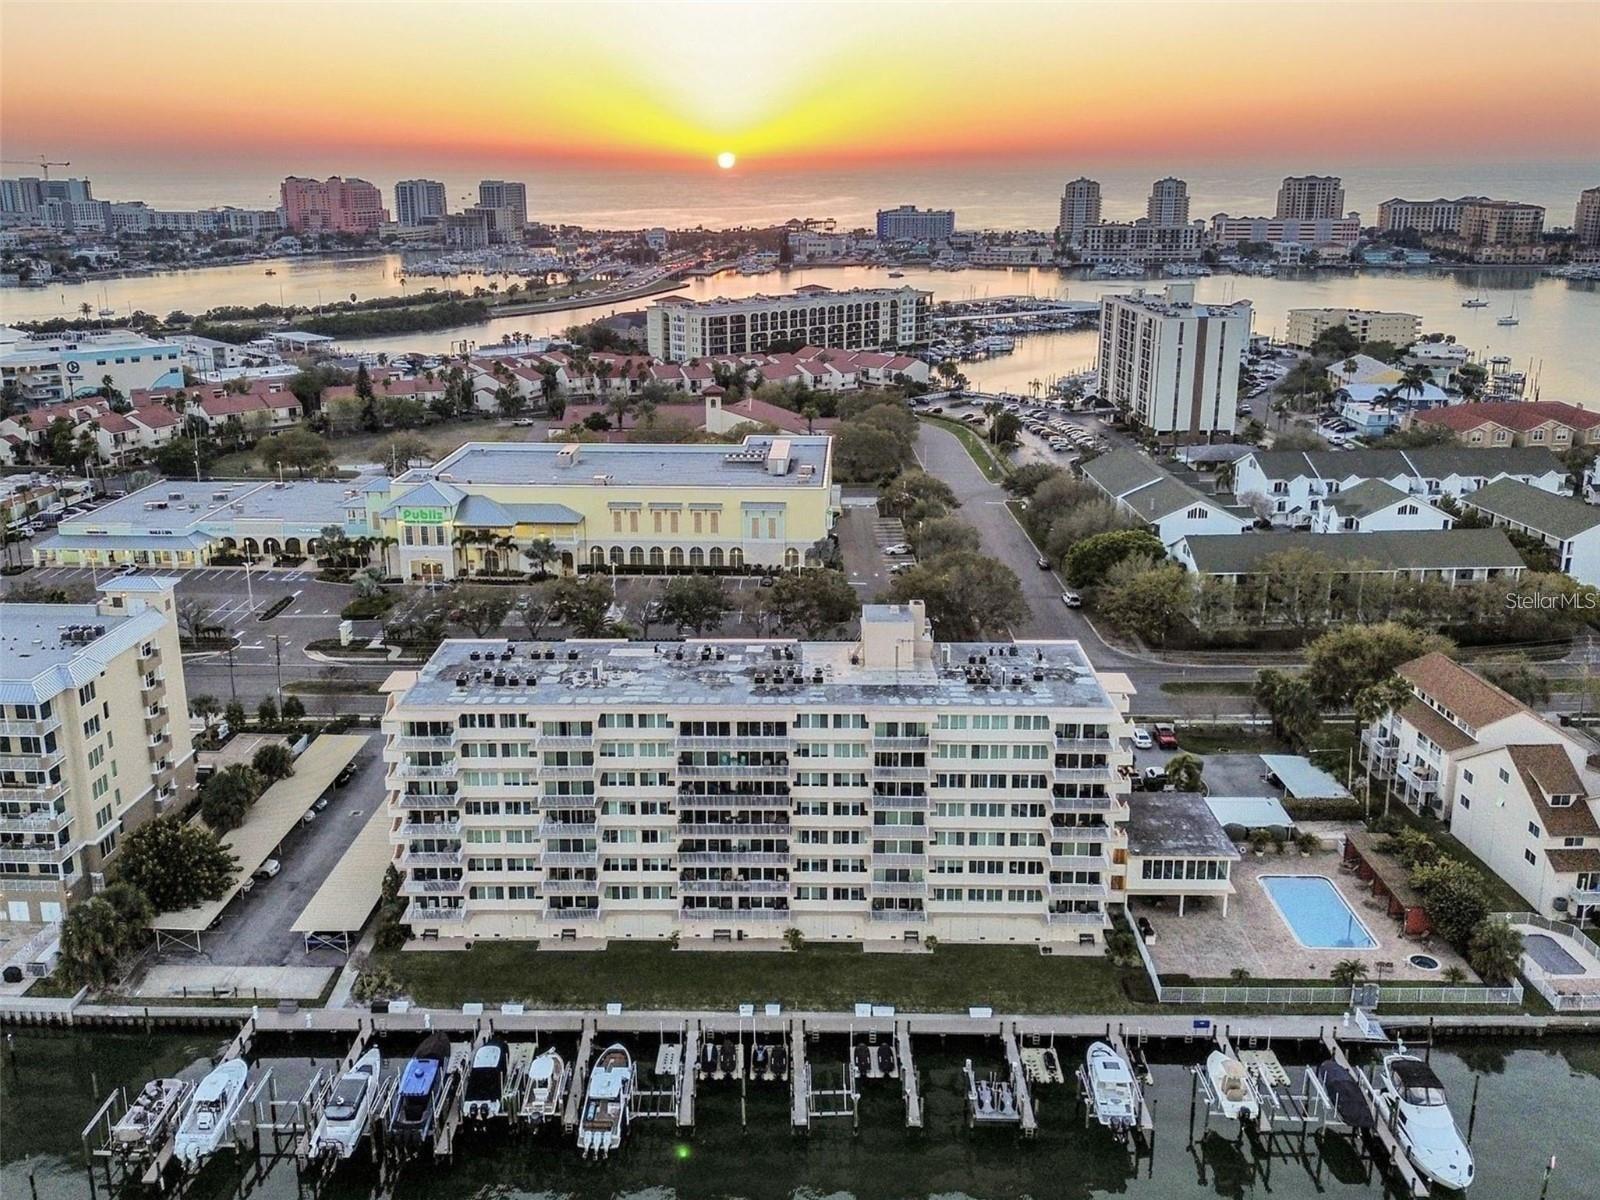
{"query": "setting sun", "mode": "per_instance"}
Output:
(726, 159)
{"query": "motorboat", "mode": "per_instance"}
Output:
(897, 274)
(484, 1097)
(1411, 1101)
(1231, 1085)
(1475, 302)
(863, 1061)
(416, 1100)
(1344, 1091)
(605, 1105)
(140, 1129)
(547, 1088)
(779, 1062)
(761, 1061)
(210, 1113)
(348, 1109)
(727, 1060)
(887, 1065)
(1112, 1088)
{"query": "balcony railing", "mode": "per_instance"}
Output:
(567, 829)
(426, 771)
(885, 887)
(35, 728)
(41, 761)
(413, 829)
(763, 887)
(1105, 745)
(900, 860)
(568, 771)
(413, 803)
(1085, 803)
(732, 858)
(1075, 918)
(1419, 777)
(433, 858)
(1077, 862)
(431, 742)
(899, 801)
(433, 887)
(38, 822)
(905, 742)
(572, 914)
(1086, 774)
(1584, 896)
(1081, 833)
(570, 858)
(422, 914)
(730, 830)
(562, 743)
(778, 742)
(35, 794)
(732, 770)
(570, 887)
(878, 772)
(35, 854)
(906, 915)
(735, 914)
(1076, 891)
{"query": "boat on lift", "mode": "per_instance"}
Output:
(1113, 1090)
(546, 1089)
(344, 1117)
(416, 1101)
(1230, 1083)
(1411, 1101)
(484, 1096)
(605, 1105)
(143, 1126)
(211, 1112)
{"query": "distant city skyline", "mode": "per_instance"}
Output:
(1227, 83)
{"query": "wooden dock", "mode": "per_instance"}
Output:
(799, 1077)
(688, 1075)
(1147, 1120)
(909, 1083)
(1019, 1082)
(448, 1121)
(579, 1087)
(1415, 1184)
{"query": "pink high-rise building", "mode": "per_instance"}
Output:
(331, 205)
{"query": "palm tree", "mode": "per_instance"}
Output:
(541, 551)
(1371, 704)
(1495, 951)
(462, 540)
(1183, 773)
(1348, 972)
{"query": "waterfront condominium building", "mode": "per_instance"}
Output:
(1398, 328)
(679, 329)
(331, 205)
(1080, 208)
(911, 224)
(886, 789)
(1586, 220)
(420, 202)
(767, 502)
(48, 367)
(94, 738)
(1169, 202)
(1311, 197)
(1308, 233)
(1141, 242)
(509, 197)
(1425, 216)
(1500, 222)
(1173, 365)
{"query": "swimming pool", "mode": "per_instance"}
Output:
(1316, 913)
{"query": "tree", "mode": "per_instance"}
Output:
(192, 612)
(1517, 674)
(968, 595)
(176, 865)
(582, 605)
(695, 602)
(1495, 950)
(1146, 598)
(1296, 439)
(1290, 704)
(295, 449)
(274, 760)
(1348, 972)
(867, 453)
(293, 709)
(1455, 895)
(92, 943)
(234, 716)
(404, 449)
(228, 795)
(206, 708)
(1089, 561)
(1374, 702)
(480, 609)
(1184, 773)
(1026, 479)
(267, 711)
(540, 553)
(943, 535)
(1343, 661)
(814, 602)
(916, 496)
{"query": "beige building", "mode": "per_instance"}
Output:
(887, 789)
(1500, 223)
(1080, 208)
(1397, 328)
(94, 738)
(1586, 220)
(1425, 216)
(1172, 364)
(1311, 198)
(679, 329)
(1168, 204)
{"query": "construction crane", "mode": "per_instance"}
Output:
(39, 162)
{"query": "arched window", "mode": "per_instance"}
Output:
(716, 556)
(791, 558)
(292, 546)
(658, 557)
(636, 556)
(616, 556)
(736, 558)
(271, 546)
(675, 558)
(597, 556)
(697, 557)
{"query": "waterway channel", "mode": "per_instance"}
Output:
(1525, 1101)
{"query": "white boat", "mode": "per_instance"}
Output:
(605, 1105)
(547, 1088)
(1230, 1082)
(484, 1097)
(151, 1111)
(344, 1117)
(1412, 1103)
(1114, 1090)
(1475, 302)
(209, 1116)
(1510, 318)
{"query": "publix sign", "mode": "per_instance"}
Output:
(422, 516)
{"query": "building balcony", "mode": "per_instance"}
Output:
(428, 914)
(153, 691)
(429, 771)
(1589, 897)
(37, 795)
(886, 887)
(1420, 778)
(35, 854)
(567, 829)
(912, 773)
(159, 742)
(732, 770)
(48, 885)
(732, 858)
(755, 887)
(1105, 745)
(435, 742)
(1075, 891)
(155, 723)
(570, 887)
(899, 801)
(907, 742)
(730, 830)
(910, 916)
(412, 803)
(1095, 919)
(572, 914)
(1068, 804)
(551, 743)
(570, 858)
(1107, 774)
(37, 728)
(778, 742)
(149, 656)
(422, 829)
(433, 858)
(1077, 862)
(434, 887)
(735, 914)
(1378, 747)
(899, 860)
(568, 771)
(42, 761)
(48, 821)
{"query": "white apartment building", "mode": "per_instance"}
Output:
(420, 202)
(678, 329)
(1171, 508)
(1297, 483)
(63, 366)
(1586, 217)
(94, 738)
(1305, 233)
(1080, 208)
(1568, 526)
(908, 223)
(1368, 325)
(887, 789)
(1142, 242)
(1517, 790)
(1168, 203)
(1172, 364)
(509, 196)
(1311, 198)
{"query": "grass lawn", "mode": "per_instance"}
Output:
(994, 467)
(1227, 739)
(1200, 687)
(332, 687)
(369, 447)
(646, 975)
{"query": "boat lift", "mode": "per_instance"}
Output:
(578, 1086)
(661, 1100)
(809, 1102)
(910, 1083)
(1019, 1083)
(315, 1097)
(122, 1162)
(1382, 1131)
(1141, 1138)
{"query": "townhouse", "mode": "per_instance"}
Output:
(1171, 508)
(1377, 507)
(1497, 423)
(1568, 526)
(1292, 485)
(1451, 556)
(887, 790)
(1517, 790)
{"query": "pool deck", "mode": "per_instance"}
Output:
(1585, 981)
(1204, 944)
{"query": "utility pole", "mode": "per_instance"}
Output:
(277, 654)
(233, 686)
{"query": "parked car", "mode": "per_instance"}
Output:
(1142, 739)
(1072, 599)
(1154, 778)
(346, 773)
(268, 869)
(1166, 737)
(128, 569)
(898, 548)
(1043, 563)
(322, 803)
(900, 568)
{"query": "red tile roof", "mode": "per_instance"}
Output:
(1520, 415)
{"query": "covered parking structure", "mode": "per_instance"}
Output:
(269, 821)
(1300, 779)
(352, 889)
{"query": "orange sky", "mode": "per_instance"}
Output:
(799, 84)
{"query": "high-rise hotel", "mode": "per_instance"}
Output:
(887, 789)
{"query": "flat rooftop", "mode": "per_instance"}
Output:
(178, 506)
(574, 464)
(1176, 825)
(809, 295)
(759, 674)
(47, 648)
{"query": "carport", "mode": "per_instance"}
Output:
(352, 889)
(269, 821)
(1301, 780)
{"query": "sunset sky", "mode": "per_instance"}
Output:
(788, 85)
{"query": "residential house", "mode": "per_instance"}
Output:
(1377, 507)
(1448, 555)
(1568, 526)
(1171, 508)
(1551, 423)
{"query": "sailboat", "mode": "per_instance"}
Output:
(1510, 318)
